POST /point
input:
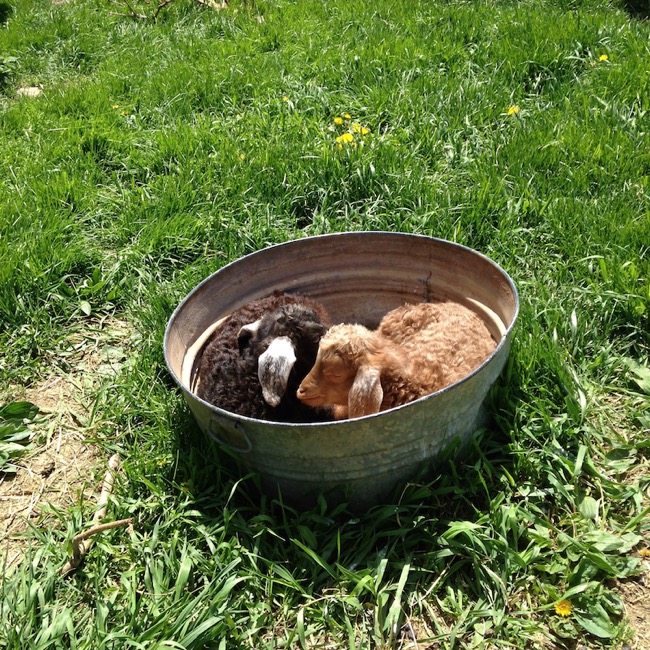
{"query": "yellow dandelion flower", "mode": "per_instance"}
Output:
(563, 608)
(644, 552)
(514, 109)
(285, 98)
(242, 156)
(357, 128)
(338, 120)
(603, 57)
(115, 106)
(345, 138)
(347, 116)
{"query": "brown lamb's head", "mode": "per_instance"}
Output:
(347, 371)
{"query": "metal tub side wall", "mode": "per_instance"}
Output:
(358, 277)
(368, 456)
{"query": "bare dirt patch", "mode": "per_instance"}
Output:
(64, 464)
(636, 600)
(614, 410)
(54, 474)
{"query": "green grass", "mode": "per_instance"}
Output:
(159, 151)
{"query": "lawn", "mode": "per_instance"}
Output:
(138, 156)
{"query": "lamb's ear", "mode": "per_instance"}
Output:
(274, 367)
(246, 333)
(366, 393)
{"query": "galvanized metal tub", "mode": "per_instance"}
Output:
(358, 276)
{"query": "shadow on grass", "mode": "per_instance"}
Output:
(5, 12)
(637, 8)
(329, 548)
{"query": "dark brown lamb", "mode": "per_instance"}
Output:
(254, 362)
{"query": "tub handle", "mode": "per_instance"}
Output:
(229, 433)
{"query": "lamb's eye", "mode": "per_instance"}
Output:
(336, 376)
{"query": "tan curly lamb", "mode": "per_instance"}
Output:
(415, 351)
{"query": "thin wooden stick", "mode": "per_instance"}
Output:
(134, 14)
(100, 528)
(212, 4)
(82, 542)
(161, 6)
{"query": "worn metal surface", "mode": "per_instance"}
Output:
(358, 277)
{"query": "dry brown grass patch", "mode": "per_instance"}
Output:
(65, 464)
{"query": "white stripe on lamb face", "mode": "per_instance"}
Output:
(274, 367)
